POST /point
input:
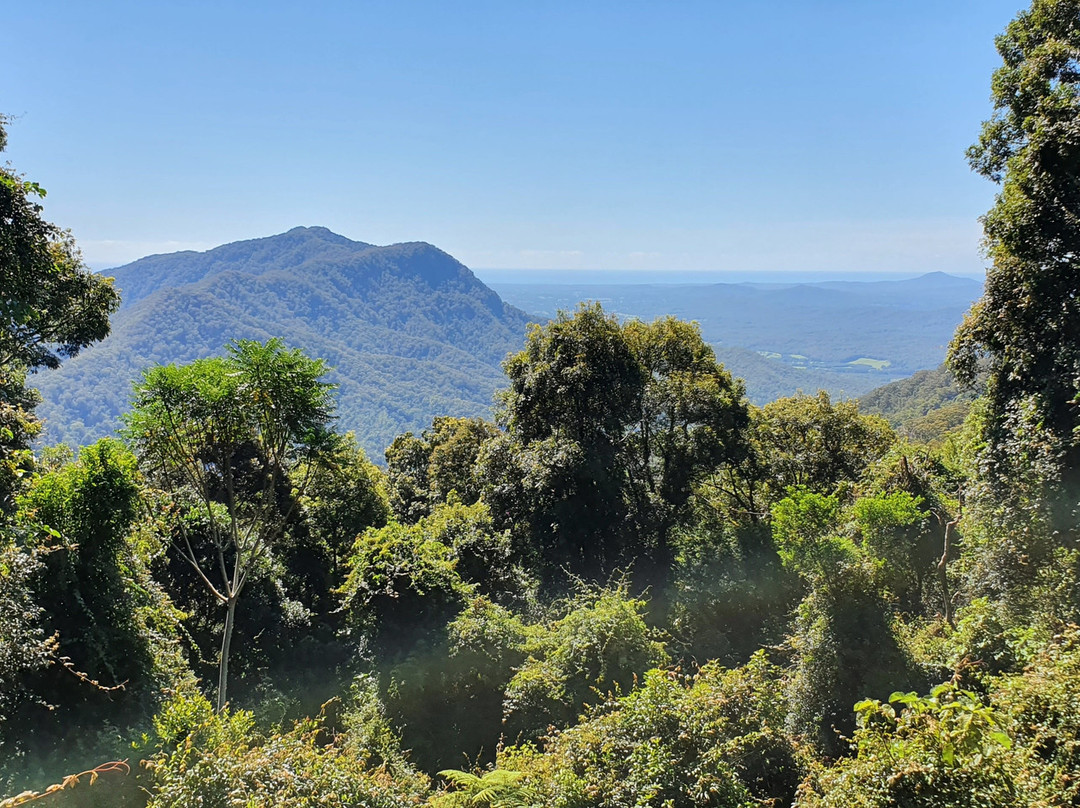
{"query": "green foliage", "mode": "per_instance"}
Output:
(219, 759)
(609, 429)
(406, 582)
(449, 699)
(947, 749)
(731, 593)
(91, 580)
(810, 441)
(18, 428)
(891, 527)
(407, 461)
(712, 739)
(485, 555)
(601, 644)
(846, 645)
(1044, 715)
(494, 789)
(114, 632)
(804, 528)
(51, 304)
(345, 494)
(423, 471)
(226, 436)
(1025, 328)
(402, 587)
(573, 391)
(24, 647)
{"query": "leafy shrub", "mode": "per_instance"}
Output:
(713, 739)
(731, 595)
(484, 555)
(1045, 718)
(402, 587)
(218, 759)
(602, 643)
(449, 701)
(24, 648)
(946, 750)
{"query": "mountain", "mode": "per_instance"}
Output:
(410, 331)
(925, 407)
(843, 336)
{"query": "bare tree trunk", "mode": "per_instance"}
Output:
(223, 666)
(943, 564)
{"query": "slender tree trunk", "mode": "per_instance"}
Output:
(226, 641)
(943, 564)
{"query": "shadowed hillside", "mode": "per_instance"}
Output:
(410, 331)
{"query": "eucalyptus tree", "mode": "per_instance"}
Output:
(236, 440)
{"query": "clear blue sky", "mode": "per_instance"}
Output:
(655, 135)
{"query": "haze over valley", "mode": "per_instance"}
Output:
(412, 333)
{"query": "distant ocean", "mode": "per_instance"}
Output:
(634, 276)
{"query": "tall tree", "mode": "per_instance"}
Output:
(574, 391)
(226, 436)
(692, 418)
(1026, 327)
(614, 425)
(51, 306)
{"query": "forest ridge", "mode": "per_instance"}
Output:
(411, 334)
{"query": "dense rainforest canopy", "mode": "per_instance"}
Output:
(632, 588)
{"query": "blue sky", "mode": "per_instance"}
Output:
(808, 136)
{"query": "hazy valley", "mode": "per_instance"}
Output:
(412, 333)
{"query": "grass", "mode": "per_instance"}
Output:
(876, 364)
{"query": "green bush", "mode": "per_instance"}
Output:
(947, 750)
(449, 701)
(601, 644)
(714, 739)
(731, 594)
(402, 588)
(219, 760)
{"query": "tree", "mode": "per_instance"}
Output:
(846, 644)
(810, 441)
(226, 436)
(51, 304)
(346, 494)
(610, 427)
(86, 587)
(574, 390)
(422, 471)
(1026, 327)
(692, 419)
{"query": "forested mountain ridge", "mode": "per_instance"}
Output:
(924, 406)
(409, 330)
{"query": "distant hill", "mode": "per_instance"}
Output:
(410, 331)
(842, 336)
(924, 407)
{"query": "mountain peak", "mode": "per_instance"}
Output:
(317, 232)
